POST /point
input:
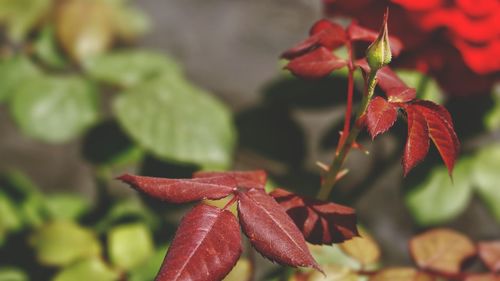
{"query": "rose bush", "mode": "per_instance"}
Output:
(457, 41)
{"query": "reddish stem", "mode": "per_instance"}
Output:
(350, 91)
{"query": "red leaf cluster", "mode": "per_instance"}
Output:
(320, 222)
(426, 120)
(207, 243)
(455, 41)
(313, 58)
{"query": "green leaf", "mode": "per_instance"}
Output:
(130, 245)
(177, 121)
(61, 243)
(487, 177)
(438, 199)
(66, 206)
(9, 219)
(427, 87)
(241, 271)
(46, 48)
(332, 254)
(127, 211)
(150, 267)
(93, 269)
(12, 274)
(33, 211)
(14, 72)
(21, 16)
(130, 22)
(128, 67)
(492, 118)
(24, 194)
(18, 186)
(54, 109)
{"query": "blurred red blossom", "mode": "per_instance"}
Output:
(456, 41)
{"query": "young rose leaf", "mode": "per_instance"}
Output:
(244, 179)
(320, 222)
(331, 35)
(395, 89)
(182, 190)
(401, 274)
(443, 112)
(417, 143)
(359, 33)
(271, 231)
(316, 64)
(301, 48)
(400, 94)
(489, 252)
(364, 249)
(323, 33)
(441, 131)
(380, 116)
(442, 250)
(206, 246)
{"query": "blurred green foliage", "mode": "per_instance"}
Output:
(67, 75)
(69, 70)
(70, 64)
(74, 240)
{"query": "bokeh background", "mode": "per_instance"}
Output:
(90, 89)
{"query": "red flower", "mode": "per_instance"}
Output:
(457, 41)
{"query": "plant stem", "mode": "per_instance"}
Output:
(350, 92)
(330, 179)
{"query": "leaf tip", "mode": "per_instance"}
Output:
(126, 178)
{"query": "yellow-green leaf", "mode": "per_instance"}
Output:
(60, 243)
(129, 245)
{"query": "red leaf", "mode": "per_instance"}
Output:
(441, 110)
(417, 143)
(320, 222)
(400, 94)
(380, 116)
(206, 246)
(244, 179)
(302, 48)
(441, 131)
(271, 231)
(395, 89)
(489, 252)
(359, 33)
(316, 64)
(331, 35)
(323, 33)
(182, 190)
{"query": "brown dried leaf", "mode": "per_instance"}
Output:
(84, 27)
(442, 250)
